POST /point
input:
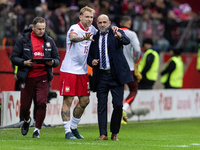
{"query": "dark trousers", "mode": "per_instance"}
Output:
(108, 83)
(145, 84)
(39, 87)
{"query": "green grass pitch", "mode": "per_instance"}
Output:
(172, 134)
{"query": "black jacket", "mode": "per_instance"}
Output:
(23, 51)
(119, 66)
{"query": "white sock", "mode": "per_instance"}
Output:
(66, 125)
(74, 122)
(126, 106)
(36, 129)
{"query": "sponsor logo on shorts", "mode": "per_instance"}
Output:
(67, 89)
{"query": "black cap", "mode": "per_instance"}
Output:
(177, 51)
(147, 41)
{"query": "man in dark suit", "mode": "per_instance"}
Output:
(110, 72)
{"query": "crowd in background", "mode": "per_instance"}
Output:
(168, 24)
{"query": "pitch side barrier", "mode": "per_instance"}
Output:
(148, 105)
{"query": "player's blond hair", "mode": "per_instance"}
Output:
(86, 8)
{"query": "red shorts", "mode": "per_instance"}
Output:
(74, 85)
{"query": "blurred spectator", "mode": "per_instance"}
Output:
(186, 11)
(82, 3)
(172, 75)
(169, 4)
(19, 12)
(148, 65)
(138, 7)
(73, 15)
(104, 7)
(95, 6)
(159, 10)
(151, 19)
(172, 33)
(162, 44)
(11, 31)
(143, 26)
(3, 18)
(29, 4)
(60, 24)
(43, 11)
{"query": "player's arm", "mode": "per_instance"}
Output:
(136, 46)
(75, 38)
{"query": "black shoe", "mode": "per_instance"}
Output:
(36, 134)
(76, 134)
(25, 127)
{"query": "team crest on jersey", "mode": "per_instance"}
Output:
(48, 44)
(67, 89)
(71, 30)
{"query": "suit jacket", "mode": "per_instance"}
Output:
(118, 64)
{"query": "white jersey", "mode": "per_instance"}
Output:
(75, 60)
(132, 50)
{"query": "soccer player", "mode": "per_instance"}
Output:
(74, 79)
(132, 54)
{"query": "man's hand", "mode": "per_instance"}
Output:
(118, 35)
(115, 28)
(49, 63)
(137, 74)
(87, 37)
(29, 63)
(95, 62)
(15, 77)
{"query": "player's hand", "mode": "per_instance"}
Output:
(49, 63)
(88, 37)
(137, 74)
(29, 63)
(95, 62)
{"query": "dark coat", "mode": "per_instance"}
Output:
(118, 64)
(23, 51)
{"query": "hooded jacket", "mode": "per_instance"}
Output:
(23, 51)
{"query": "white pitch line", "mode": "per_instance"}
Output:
(174, 145)
(196, 144)
(193, 144)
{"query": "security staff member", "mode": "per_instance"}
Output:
(148, 65)
(172, 75)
